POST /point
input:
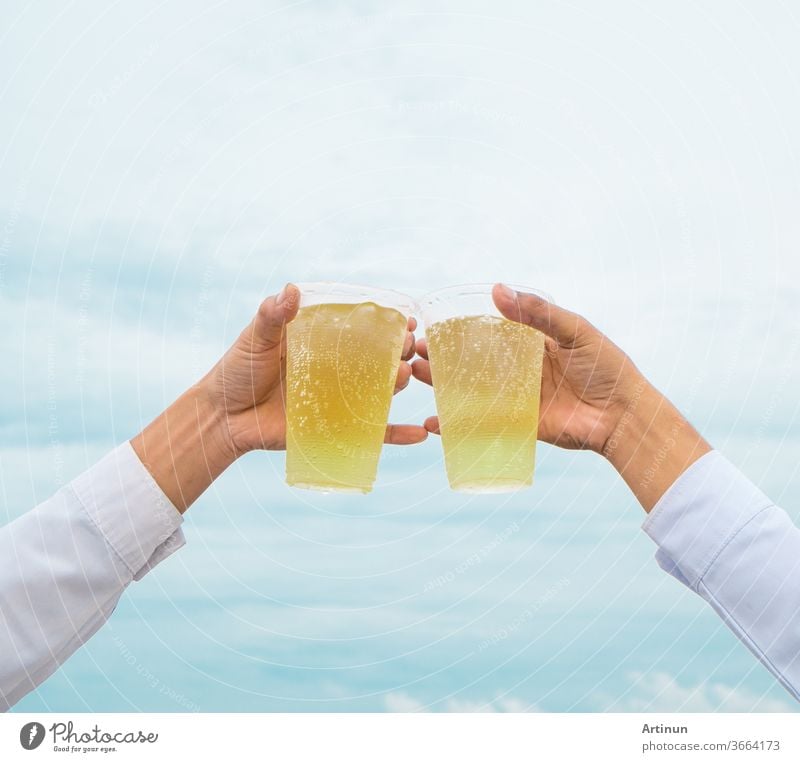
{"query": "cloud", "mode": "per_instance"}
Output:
(165, 165)
(402, 702)
(660, 692)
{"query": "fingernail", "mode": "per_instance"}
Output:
(509, 293)
(281, 298)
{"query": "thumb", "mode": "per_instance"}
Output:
(273, 314)
(562, 325)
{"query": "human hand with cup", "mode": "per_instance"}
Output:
(594, 398)
(239, 406)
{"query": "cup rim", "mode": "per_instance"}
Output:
(386, 297)
(478, 289)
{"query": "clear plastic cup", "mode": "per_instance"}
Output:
(487, 374)
(343, 350)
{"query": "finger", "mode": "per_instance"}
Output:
(550, 346)
(421, 369)
(562, 325)
(432, 424)
(408, 348)
(272, 316)
(403, 377)
(422, 348)
(404, 434)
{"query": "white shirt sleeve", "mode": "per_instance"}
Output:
(65, 564)
(722, 537)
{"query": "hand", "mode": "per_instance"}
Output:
(587, 381)
(237, 407)
(594, 398)
(247, 386)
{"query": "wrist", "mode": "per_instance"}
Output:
(185, 448)
(639, 399)
(652, 445)
(212, 427)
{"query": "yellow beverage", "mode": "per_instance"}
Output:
(487, 378)
(341, 367)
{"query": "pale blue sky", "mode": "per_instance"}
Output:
(165, 165)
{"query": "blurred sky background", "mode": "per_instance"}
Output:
(165, 165)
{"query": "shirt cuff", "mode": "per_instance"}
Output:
(703, 510)
(135, 517)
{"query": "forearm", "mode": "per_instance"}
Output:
(652, 445)
(185, 448)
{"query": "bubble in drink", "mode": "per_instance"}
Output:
(341, 367)
(487, 378)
